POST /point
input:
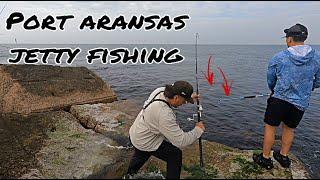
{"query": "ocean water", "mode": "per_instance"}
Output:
(237, 123)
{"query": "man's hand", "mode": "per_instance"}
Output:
(195, 97)
(200, 125)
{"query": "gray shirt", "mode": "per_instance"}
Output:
(158, 122)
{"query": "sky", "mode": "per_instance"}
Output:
(241, 22)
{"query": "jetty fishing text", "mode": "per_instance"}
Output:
(104, 55)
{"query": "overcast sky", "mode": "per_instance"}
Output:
(216, 22)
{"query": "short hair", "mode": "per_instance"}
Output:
(299, 38)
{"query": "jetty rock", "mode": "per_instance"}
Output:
(26, 89)
(66, 122)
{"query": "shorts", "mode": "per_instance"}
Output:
(279, 110)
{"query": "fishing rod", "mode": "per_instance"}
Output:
(244, 97)
(249, 97)
(199, 107)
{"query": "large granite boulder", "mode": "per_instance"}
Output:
(36, 88)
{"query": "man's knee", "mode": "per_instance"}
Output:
(269, 128)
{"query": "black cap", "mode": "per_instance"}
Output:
(183, 89)
(297, 30)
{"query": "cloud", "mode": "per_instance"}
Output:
(228, 22)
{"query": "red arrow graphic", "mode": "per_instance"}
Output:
(225, 84)
(209, 76)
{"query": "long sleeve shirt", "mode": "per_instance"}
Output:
(157, 123)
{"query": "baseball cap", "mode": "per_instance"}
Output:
(296, 30)
(183, 89)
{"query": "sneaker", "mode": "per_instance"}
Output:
(127, 176)
(260, 160)
(283, 160)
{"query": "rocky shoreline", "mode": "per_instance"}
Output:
(89, 140)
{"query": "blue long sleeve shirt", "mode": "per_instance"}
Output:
(293, 74)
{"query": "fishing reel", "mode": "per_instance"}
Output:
(194, 116)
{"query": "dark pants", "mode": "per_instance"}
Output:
(166, 152)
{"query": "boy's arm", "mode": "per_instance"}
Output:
(316, 81)
(271, 75)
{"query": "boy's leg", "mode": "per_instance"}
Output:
(263, 159)
(275, 113)
(137, 161)
(173, 156)
(292, 119)
(268, 141)
(273, 116)
(286, 139)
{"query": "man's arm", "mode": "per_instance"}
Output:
(271, 75)
(316, 81)
(171, 130)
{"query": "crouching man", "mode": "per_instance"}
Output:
(155, 130)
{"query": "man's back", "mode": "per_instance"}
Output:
(291, 74)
